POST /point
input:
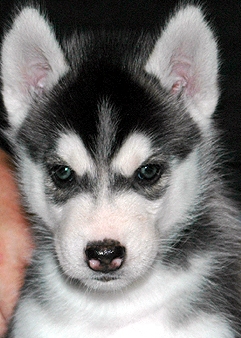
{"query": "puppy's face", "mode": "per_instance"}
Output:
(110, 222)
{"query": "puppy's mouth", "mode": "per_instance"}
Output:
(106, 278)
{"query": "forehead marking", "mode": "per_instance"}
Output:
(106, 129)
(72, 151)
(135, 150)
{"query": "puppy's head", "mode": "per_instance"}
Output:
(106, 135)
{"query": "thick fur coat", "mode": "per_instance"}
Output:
(118, 167)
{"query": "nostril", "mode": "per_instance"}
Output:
(105, 256)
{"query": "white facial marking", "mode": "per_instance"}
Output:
(180, 195)
(32, 182)
(72, 150)
(135, 150)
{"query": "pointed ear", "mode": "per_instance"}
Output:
(32, 62)
(184, 59)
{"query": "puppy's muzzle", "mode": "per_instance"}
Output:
(105, 256)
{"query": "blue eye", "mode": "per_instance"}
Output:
(149, 173)
(62, 175)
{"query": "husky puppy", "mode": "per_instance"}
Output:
(117, 163)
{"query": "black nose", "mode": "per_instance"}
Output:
(105, 256)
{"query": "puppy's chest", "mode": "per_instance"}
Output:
(116, 319)
(155, 319)
(109, 327)
(160, 309)
(141, 328)
(154, 325)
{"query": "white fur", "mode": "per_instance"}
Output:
(181, 194)
(136, 149)
(72, 151)
(143, 309)
(34, 188)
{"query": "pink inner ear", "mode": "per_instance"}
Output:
(36, 76)
(184, 79)
(178, 86)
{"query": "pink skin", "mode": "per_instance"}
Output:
(15, 242)
(181, 69)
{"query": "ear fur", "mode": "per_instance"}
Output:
(185, 61)
(32, 62)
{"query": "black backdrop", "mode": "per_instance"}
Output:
(225, 17)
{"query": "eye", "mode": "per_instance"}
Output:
(62, 175)
(149, 173)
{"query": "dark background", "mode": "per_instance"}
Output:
(225, 17)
